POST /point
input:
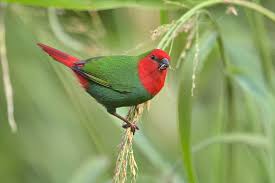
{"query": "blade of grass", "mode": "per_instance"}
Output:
(185, 118)
(253, 140)
(6, 75)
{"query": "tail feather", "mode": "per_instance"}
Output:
(65, 59)
(59, 56)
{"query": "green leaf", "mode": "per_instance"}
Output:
(185, 118)
(97, 4)
(253, 140)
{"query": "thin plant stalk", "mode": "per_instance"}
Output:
(6, 75)
(169, 35)
(126, 158)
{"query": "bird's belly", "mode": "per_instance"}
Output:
(112, 99)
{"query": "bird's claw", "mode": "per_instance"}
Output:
(132, 126)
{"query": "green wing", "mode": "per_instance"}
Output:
(117, 72)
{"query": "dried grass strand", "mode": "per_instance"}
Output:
(126, 158)
(6, 78)
(196, 57)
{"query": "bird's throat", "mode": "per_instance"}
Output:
(150, 76)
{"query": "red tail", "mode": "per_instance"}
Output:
(59, 56)
(65, 59)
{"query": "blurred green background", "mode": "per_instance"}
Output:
(64, 135)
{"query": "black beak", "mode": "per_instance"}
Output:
(164, 64)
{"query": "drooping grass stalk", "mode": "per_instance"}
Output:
(206, 4)
(196, 56)
(126, 158)
(176, 3)
(186, 48)
(6, 75)
(252, 140)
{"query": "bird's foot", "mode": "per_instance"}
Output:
(132, 126)
(128, 124)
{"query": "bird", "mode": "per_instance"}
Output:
(118, 80)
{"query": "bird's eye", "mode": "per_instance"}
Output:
(153, 57)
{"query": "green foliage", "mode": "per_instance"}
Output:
(223, 133)
(97, 4)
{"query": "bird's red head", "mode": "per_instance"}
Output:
(152, 70)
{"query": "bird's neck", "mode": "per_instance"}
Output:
(150, 76)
